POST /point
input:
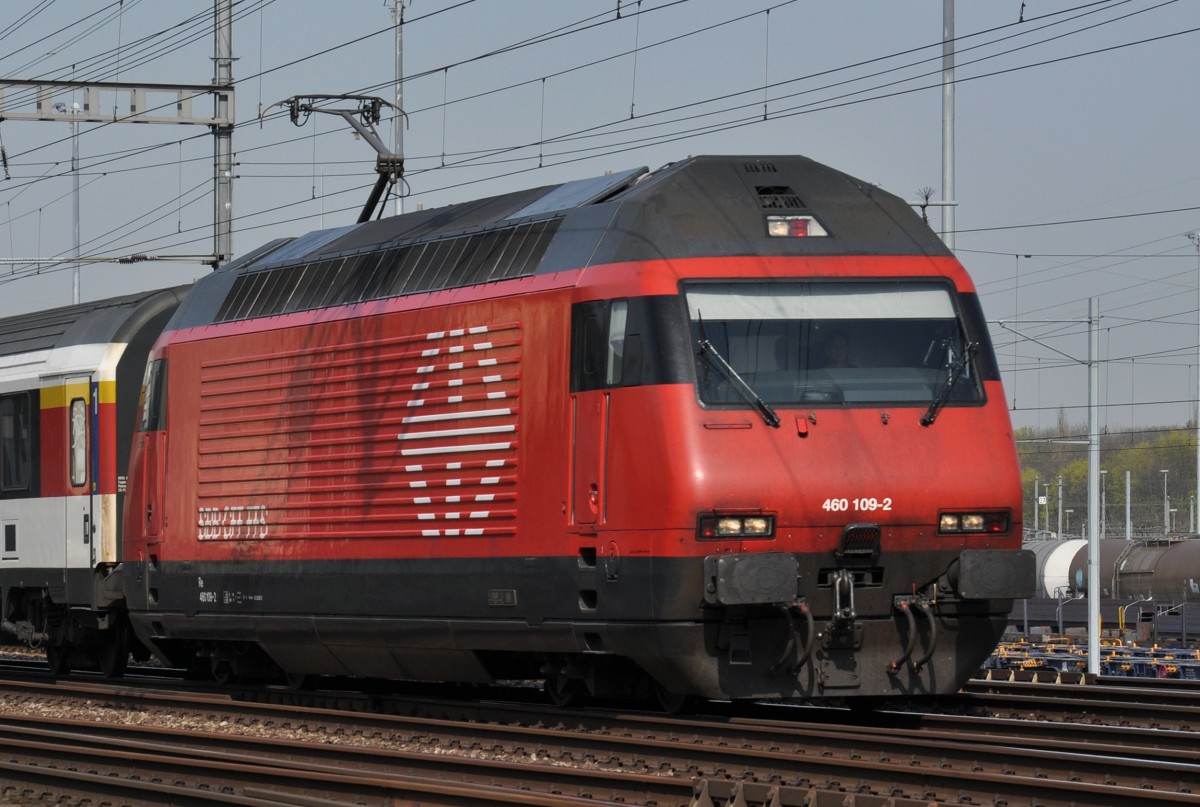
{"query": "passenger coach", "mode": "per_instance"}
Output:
(69, 384)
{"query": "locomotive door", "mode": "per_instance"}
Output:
(588, 461)
(597, 348)
(153, 446)
(152, 438)
(82, 417)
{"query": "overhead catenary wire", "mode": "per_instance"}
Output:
(536, 40)
(502, 49)
(549, 157)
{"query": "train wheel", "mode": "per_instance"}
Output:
(299, 682)
(113, 656)
(671, 702)
(58, 656)
(198, 669)
(865, 705)
(563, 692)
(223, 672)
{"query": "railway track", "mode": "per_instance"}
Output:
(1102, 702)
(129, 739)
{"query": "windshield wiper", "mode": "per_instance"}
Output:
(764, 408)
(956, 370)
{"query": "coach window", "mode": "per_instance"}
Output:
(154, 397)
(16, 443)
(79, 442)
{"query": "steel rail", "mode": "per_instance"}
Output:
(819, 756)
(204, 770)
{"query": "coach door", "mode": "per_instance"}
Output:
(82, 418)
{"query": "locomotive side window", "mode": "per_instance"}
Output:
(16, 443)
(832, 342)
(605, 350)
(79, 442)
(154, 397)
(589, 327)
(617, 315)
(629, 343)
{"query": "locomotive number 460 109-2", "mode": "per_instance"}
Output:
(863, 504)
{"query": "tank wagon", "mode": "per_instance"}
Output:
(1165, 569)
(730, 429)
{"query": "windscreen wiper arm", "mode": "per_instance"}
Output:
(768, 414)
(956, 370)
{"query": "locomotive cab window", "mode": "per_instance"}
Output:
(829, 342)
(154, 397)
(16, 443)
(618, 312)
(606, 347)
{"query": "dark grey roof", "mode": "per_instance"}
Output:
(699, 207)
(95, 322)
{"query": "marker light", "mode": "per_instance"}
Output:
(794, 227)
(712, 526)
(982, 522)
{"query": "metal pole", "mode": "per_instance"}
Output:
(1196, 240)
(398, 121)
(1060, 509)
(223, 134)
(75, 205)
(1103, 504)
(1128, 509)
(1037, 487)
(1093, 563)
(948, 122)
(1166, 504)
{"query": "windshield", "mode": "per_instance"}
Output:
(834, 342)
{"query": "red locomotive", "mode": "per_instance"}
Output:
(730, 429)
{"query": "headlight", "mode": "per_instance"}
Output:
(981, 522)
(729, 526)
(757, 526)
(713, 525)
(794, 227)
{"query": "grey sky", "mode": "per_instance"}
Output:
(1076, 131)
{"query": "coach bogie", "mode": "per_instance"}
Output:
(73, 637)
(32, 618)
